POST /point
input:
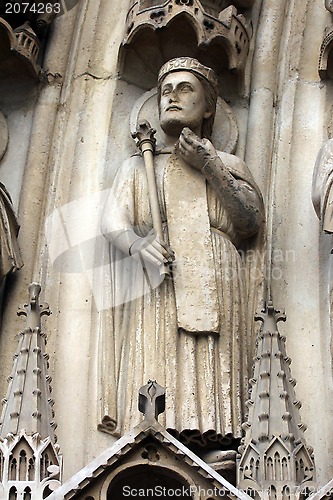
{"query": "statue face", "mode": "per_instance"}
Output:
(182, 103)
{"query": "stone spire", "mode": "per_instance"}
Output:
(29, 457)
(275, 461)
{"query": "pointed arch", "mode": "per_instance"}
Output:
(22, 466)
(269, 469)
(284, 469)
(13, 493)
(12, 468)
(286, 493)
(300, 470)
(252, 466)
(277, 466)
(31, 469)
(48, 457)
(27, 494)
(272, 493)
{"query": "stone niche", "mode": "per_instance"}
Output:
(19, 50)
(215, 32)
(23, 29)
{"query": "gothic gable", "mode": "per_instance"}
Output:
(147, 457)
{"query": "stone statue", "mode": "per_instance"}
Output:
(186, 331)
(322, 199)
(10, 257)
(322, 193)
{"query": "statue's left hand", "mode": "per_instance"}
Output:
(194, 150)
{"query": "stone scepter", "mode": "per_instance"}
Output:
(145, 141)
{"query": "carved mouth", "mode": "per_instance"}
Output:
(173, 108)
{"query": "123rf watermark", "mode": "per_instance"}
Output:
(36, 7)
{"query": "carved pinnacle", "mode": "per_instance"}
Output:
(151, 400)
(33, 311)
(144, 136)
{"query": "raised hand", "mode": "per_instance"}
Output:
(194, 150)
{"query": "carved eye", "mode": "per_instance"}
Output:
(186, 88)
(166, 91)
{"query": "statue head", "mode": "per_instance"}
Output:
(208, 83)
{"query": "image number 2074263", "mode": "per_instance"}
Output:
(51, 7)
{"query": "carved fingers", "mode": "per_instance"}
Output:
(152, 249)
(194, 150)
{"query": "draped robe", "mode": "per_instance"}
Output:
(205, 375)
(10, 256)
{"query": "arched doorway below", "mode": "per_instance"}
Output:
(145, 481)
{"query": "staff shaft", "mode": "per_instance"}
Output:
(152, 188)
(146, 142)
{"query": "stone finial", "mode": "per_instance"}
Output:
(31, 460)
(274, 454)
(144, 136)
(151, 400)
(28, 404)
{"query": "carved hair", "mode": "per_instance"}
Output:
(211, 100)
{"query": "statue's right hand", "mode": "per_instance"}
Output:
(152, 249)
